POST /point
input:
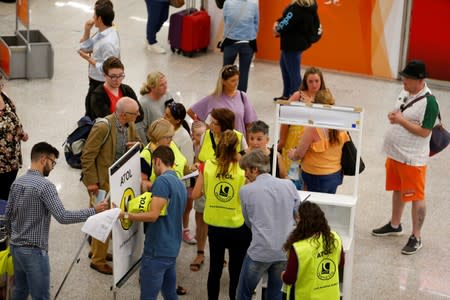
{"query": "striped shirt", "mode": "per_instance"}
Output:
(32, 201)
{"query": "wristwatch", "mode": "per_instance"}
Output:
(125, 215)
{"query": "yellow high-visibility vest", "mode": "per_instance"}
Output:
(207, 150)
(180, 160)
(318, 274)
(223, 205)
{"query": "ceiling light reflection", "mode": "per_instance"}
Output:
(75, 4)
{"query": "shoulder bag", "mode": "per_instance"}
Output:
(348, 158)
(440, 137)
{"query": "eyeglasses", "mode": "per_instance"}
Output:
(117, 77)
(133, 113)
(52, 160)
(167, 137)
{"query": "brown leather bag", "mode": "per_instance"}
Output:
(176, 3)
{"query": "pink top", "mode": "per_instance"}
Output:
(242, 108)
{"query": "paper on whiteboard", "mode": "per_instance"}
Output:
(99, 226)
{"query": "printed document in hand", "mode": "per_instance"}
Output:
(99, 226)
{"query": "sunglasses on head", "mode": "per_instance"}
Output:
(229, 70)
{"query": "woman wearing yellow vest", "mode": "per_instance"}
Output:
(315, 257)
(160, 133)
(221, 119)
(320, 151)
(220, 181)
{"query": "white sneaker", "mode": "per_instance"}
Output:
(156, 48)
(188, 238)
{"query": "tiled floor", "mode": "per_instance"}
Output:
(49, 109)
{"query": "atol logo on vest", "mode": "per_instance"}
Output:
(326, 269)
(223, 191)
(128, 194)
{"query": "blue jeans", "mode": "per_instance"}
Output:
(290, 71)
(298, 184)
(158, 274)
(245, 59)
(31, 273)
(252, 272)
(157, 14)
(322, 183)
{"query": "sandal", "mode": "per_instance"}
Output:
(181, 290)
(198, 261)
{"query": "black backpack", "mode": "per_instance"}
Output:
(316, 30)
(74, 144)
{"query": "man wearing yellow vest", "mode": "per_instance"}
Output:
(315, 257)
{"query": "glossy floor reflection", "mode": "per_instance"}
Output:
(50, 108)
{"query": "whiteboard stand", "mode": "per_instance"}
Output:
(339, 209)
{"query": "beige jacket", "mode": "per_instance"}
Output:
(97, 158)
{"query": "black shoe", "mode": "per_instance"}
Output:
(280, 98)
(412, 246)
(181, 290)
(388, 230)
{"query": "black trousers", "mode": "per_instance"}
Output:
(237, 241)
(6, 180)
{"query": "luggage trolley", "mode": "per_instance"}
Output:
(6, 262)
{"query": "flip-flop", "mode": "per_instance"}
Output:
(181, 290)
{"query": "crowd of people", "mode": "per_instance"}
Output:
(229, 146)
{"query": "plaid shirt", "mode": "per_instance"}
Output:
(32, 201)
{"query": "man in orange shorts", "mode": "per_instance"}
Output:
(407, 148)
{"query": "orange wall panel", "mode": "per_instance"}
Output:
(345, 45)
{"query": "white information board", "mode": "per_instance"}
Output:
(128, 237)
(340, 210)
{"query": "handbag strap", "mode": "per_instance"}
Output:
(213, 141)
(402, 108)
(241, 12)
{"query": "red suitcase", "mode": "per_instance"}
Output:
(189, 31)
(195, 32)
(175, 27)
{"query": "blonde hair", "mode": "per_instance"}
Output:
(306, 3)
(225, 73)
(197, 125)
(324, 97)
(226, 152)
(152, 82)
(159, 129)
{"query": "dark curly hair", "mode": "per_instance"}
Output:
(312, 224)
